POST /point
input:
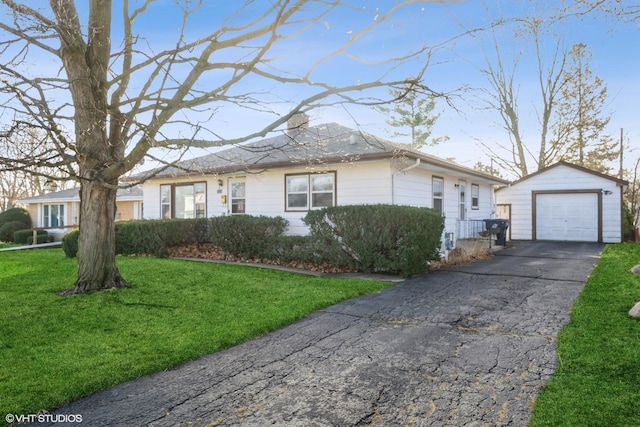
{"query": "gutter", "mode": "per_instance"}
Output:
(393, 179)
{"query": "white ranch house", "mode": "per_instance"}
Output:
(313, 167)
(58, 211)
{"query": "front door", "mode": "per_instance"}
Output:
(462, 200)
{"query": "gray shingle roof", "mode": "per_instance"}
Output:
(73, 194)
(315, 145)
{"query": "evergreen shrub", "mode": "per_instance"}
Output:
(70, 244)
(247, 236)
(42, 238)
(8, 229)
(26, 236)
(378, 238)
(291, 248)
(143, 237)
(153, 237)
(16, 214)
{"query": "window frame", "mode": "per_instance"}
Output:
(309, 192)
(235, 201)
(199, 207)
(440, 180)
(475, 196)
(47, 213)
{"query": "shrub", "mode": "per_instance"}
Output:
(42, 238)
(378, 238)
(16, 214)
(153, 237)
(247, 236)
(144, 237)
(291, 248)
(26, 236)
(628, 229)
(9, 228)
(70, 244)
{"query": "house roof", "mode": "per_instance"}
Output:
(314, 146)
(618, 181)
(73, 195)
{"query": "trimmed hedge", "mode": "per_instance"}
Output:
(42, 238)
(70, 244)
(16, 214)
(247, 236)
(8, 229)
(26, 236)
(153, 237)
(145, 237)
(378, 238)
(367, 238)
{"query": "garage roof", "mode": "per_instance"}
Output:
(618, 181)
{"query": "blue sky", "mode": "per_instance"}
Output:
(613, 45)
(455, 64)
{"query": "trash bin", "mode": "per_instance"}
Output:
(498, 226)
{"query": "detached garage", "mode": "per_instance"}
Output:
(564, 202)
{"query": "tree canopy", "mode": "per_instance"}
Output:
(107, 86)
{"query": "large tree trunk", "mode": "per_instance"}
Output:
(97, 268)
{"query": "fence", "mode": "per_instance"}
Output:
(61, 227)
(470, 229)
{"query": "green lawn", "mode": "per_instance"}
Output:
(597, 382)
(55, 349)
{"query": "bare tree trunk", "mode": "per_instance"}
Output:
(97, 268)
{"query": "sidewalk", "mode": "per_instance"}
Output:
(38, 246)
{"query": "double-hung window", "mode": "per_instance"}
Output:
(183, 200)
(475, 196)
(53, 215)
(238, 197)
(310, 191)
(438, 194)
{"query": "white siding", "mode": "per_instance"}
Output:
(562, 178)
(360, 183)
(371, 182)
(420, 193)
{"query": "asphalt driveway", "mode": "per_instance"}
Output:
(470, 345)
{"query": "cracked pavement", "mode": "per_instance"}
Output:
(467, 345)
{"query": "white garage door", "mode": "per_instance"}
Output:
(568, 216)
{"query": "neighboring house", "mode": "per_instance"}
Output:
(564, 202)
(58, 211)
(313, 167)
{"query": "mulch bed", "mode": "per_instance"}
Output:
(456, 257)
(214, 253)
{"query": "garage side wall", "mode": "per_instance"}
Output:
(558, 180)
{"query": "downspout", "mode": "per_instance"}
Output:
(393, 179)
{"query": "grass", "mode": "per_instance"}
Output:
(597, 382)
(55, 349)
